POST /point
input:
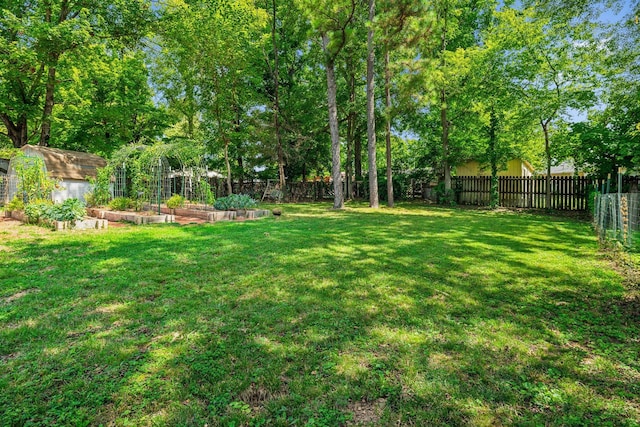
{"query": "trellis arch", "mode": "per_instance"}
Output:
(151, 174)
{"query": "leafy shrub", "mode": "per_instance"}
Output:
(69, 210)
(445, 197)
(235, 201)
(33, 181)
(38, 209)
(90, 199)
(205, 193)
(15, 205)
(175, 201)
(121, 204)
(100, 193)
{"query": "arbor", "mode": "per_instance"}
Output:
(610, 137)
(35, 36)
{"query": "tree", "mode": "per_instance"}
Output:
(104, 101)
(220, 81)
(332, 21)
(371, 111)
(36, 35)
(554, 67)
(402, 25)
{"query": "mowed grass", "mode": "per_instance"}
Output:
(412, 316)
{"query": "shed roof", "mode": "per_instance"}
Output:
(65, 164)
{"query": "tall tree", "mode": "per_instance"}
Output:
(332, 20)
(276, 96)
(554, 65)
(402, 24)
(222, 79)
(371, 110)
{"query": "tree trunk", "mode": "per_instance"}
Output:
(338, 199)
(495, 196)
(445, 141)
(371, 117)
(45, 131)
(228, 164)
(17, 132)
(276, 103)
(351, 128)
(387, 93)
(443, 111)
(357, 155)
(547, 152)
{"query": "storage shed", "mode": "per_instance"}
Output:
(70, 168)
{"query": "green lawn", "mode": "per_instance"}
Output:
(413, 316)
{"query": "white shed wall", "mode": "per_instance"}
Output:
(71, 188)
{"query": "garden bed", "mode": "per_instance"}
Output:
(216, 215)
(83, 224)
(137, 218)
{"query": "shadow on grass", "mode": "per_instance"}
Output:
(445, 316)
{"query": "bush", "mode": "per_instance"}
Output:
(100, 193)
(15, 205)
(235, 201)
(121, 204)
(33, 182)
(445, 197)
(38, 209)
(175, 201)
(69, 210)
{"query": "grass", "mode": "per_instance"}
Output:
(411, 316)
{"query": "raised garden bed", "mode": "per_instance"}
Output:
(83, 224)
(134, 217)
(213, 216)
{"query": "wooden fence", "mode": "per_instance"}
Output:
(567, 193)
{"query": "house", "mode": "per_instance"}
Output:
(71, 168)
(566, 168)
(474, 184)
(515, 167)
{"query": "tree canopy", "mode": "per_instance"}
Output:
(279, 90)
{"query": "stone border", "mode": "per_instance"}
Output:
(83, 224)
(214, 216)
(169, 215)
(130, 217)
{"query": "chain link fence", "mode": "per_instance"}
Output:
(4, 183)
(617, 218)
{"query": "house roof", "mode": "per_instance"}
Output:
(65, 164)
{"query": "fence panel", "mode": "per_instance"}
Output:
(616, 217)
(567, 192)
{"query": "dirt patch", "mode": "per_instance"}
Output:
(366, 412)
(18, 295)
(11, 229)
(186, 220)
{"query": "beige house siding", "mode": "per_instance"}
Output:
(515, 167)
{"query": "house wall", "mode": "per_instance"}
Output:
(514, 167)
